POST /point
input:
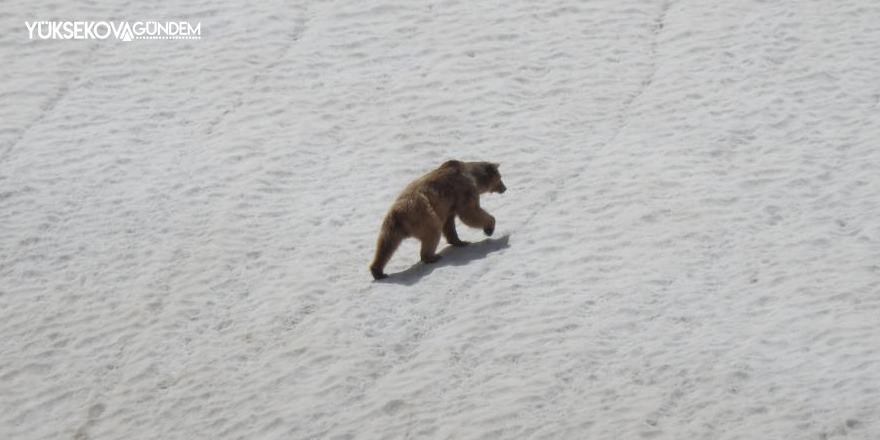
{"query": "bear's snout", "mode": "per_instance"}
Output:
(502, 189)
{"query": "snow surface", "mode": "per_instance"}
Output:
(689, 246)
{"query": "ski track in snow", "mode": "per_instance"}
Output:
(688, 247)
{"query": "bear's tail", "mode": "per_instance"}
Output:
(392, 233)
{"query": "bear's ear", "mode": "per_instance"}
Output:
(496, 165)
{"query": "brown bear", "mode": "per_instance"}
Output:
(427, 207)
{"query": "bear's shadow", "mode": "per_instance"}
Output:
(451, 256)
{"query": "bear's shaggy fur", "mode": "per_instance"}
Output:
(428, 206)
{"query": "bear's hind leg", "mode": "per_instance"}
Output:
(388, 242)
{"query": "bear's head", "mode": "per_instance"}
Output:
(487, 177)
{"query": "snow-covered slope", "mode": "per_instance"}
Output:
(689, 245)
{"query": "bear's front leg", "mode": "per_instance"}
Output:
(451, 234)
(488, 230)
(429, 247)
(474, 216)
